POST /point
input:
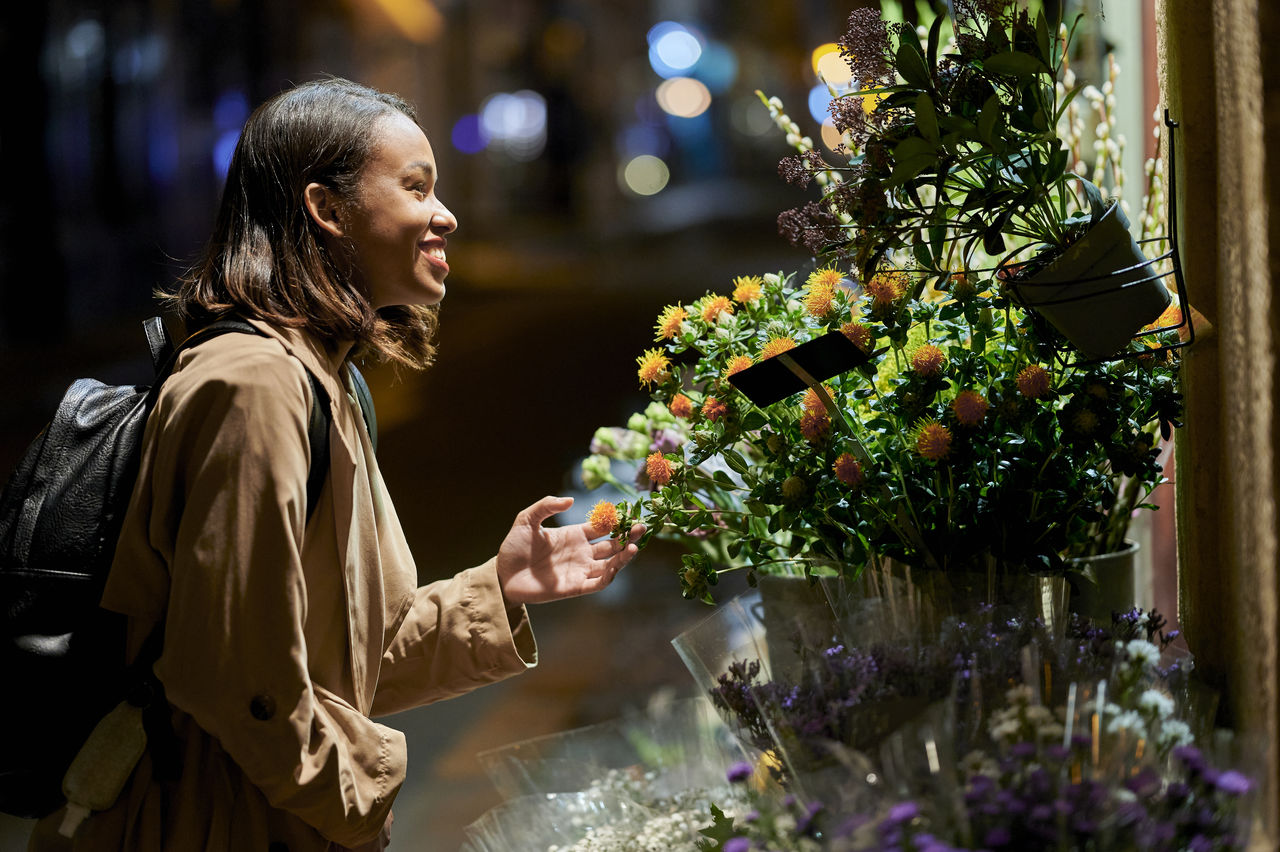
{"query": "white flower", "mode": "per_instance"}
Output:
(1155, 701)
(1129, 720)
(1174, 732)
(1142, 653)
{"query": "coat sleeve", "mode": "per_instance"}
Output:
(459, 634)
(233, 455)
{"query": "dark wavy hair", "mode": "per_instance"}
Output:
(267, 259)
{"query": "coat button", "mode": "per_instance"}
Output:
(262, 707)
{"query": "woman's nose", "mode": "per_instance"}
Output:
(443, 221)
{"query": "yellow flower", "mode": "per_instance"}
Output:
(681, 406)
(658, 468)
(746, 288)
(714, 306)
(828, 277)
(858, 334)
(653, 366)
(1033, 382)
(933, 440)
(776, 346)
(928, 361)
(603, 518)
(886, 287)
(737, 364)
(969, 407)
(669, 322)
(819, 301)
(848, 470)
(813, 402)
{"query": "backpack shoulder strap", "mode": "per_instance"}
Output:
(366, 404)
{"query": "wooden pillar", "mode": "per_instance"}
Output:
(1216, 73)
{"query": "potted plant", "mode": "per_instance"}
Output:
(957, 157)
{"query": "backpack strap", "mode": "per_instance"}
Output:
(366, 404)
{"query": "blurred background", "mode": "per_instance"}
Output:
(603, 159)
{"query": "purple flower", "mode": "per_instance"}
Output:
(998, 836)
(737, 844)
(665, 441)
(1234, 783)
(903, 812)
(739, 772)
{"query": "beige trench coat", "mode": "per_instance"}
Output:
(279, 646)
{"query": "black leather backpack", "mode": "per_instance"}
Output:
(63, 657)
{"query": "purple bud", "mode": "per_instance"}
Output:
(737, 844)
(903, 812)
(1234, 783)
(739, 772)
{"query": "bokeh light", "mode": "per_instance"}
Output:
(750, 117)
(831, 137)
(673, 48)
(468, 135)
(718, 67)
(820, 102)
(643, 139)
(515, 122)
(644, 175)
(830, 65)
(683, 97)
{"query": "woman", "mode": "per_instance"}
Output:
(286, 629)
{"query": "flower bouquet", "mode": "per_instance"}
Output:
(952, 439)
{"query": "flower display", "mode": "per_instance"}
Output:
(975, 443)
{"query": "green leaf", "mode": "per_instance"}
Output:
(988, 118)
(1015, 64)
(927, 118)
(913, 146)
(935, 38)
(911, 65)
(908, 169)
(735, 461)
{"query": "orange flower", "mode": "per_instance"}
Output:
(1033, 382)
(658, 468)
(603, 518)
(776, 346)
(828, 278)
(813, 402)
(653, 366)
(969, 407)
(928, 361)
(737, 364)
(886, 288)
(819, 300)
(746, 289)
(681, 406)
(859, 334)
(933, 440)
(1085, 421)
(848, 470)
(815, 426)
(713, 409)
(714, 306)
(669, 322)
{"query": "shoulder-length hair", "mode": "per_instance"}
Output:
(267, 259)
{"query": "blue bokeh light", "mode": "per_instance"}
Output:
(468, 135)
(820, 102)
(674, 48)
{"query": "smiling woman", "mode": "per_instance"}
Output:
(290, 616)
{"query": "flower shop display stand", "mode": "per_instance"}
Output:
(1105, 583)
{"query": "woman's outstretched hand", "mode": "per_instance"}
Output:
(538, 564)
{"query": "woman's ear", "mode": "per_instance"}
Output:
(323, 207)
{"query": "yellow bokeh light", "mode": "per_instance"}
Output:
(830, 65)
(645, 175)
(684, 97)
(831, 137)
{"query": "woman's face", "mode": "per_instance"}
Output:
(396, 224)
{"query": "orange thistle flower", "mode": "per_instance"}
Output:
(746, 288)
(928, 361)
(885, 288)
(858, 334)
(669, 322)
(848, 470)
(1033, 382)
(714, 306)
(653, 366)
(603, 518)
(933, 440)
(827, 277)
(1085, 421)
(658, 468)
(969, 407)
(813, 402)
(713, 409)
(815, 426)
(776, 346)
(819, 300)
(681, 406)
(737, 364)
